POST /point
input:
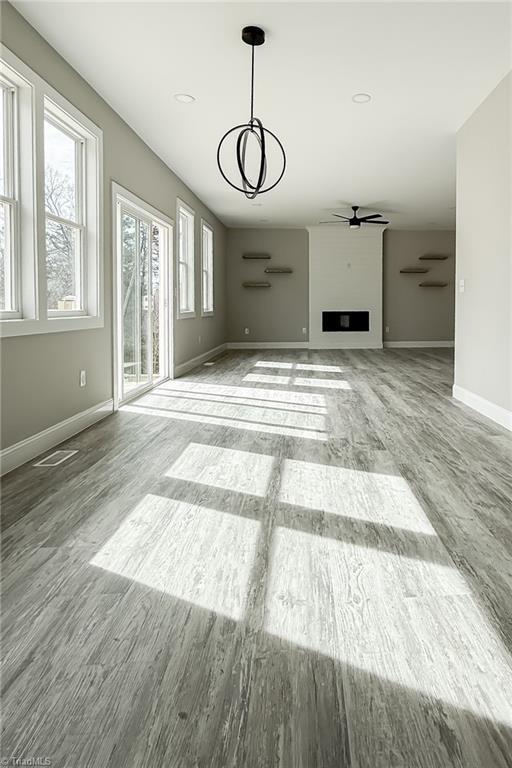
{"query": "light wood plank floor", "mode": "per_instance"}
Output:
(288, 558)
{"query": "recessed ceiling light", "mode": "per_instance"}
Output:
(184, 98)
(361, 98)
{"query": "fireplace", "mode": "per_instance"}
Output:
(345, 288)
(342, 320)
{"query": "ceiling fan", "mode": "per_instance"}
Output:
(355, 222)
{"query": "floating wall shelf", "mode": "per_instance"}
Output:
(256, 256)
(412, 270)
(432, 257)
(432, 284)
(281, 270)
(256, 285)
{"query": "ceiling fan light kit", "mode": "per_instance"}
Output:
(255, 131)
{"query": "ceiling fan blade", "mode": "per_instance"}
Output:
(372, 216)
(381, 221)
(332, 222)
(339, 216)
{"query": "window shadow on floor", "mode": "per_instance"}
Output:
(111, 672)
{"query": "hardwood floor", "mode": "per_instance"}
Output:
(289, 558)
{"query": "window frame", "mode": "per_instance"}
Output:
(34, 95)
(210, 272)
(10, 197)
(190, 263)
(56, 117)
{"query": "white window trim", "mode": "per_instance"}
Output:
(35, 318)
(180, 314)
(129, 201)
(207, 312)
(10, 197)
(23, 174)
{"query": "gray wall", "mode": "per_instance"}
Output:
(39, 374)
(413, 313)
(483, 332)
(278, 313)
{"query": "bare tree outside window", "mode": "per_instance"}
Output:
(63, 160)
(62, 247)
(3, 256)
(141, 245)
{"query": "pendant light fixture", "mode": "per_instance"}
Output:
(253, 131)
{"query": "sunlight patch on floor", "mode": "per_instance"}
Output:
(230, 410)
(196, 554)
(377, 498)
(271, 364)
(278, 405)
(388, 601)
(256, 393)
(318, 367)
(240, 471)
(348, 602)
(267, 378)
(217, 421)
(301, 381)
(298, 366)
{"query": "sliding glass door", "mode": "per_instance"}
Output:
(142, 299)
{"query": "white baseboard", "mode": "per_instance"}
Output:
(343, 345)
(268, 345)
(297, 345)
(19, 453)
(182, 368)
(494, 412)
(417, 344)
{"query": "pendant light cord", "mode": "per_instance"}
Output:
(252, 83)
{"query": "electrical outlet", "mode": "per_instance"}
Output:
(83, 378)
(462, 286)
(199, 339)
(387, 328)
(246, 331)
(304, 331)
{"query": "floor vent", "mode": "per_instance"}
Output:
(55, 458)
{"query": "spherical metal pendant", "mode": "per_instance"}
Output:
(243, 182)
(239, 176)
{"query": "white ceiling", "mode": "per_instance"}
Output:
(427, 66)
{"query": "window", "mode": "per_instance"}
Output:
(206, 268)
(9, 280)
(64, 209)
(186, 302)
(50, 208)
